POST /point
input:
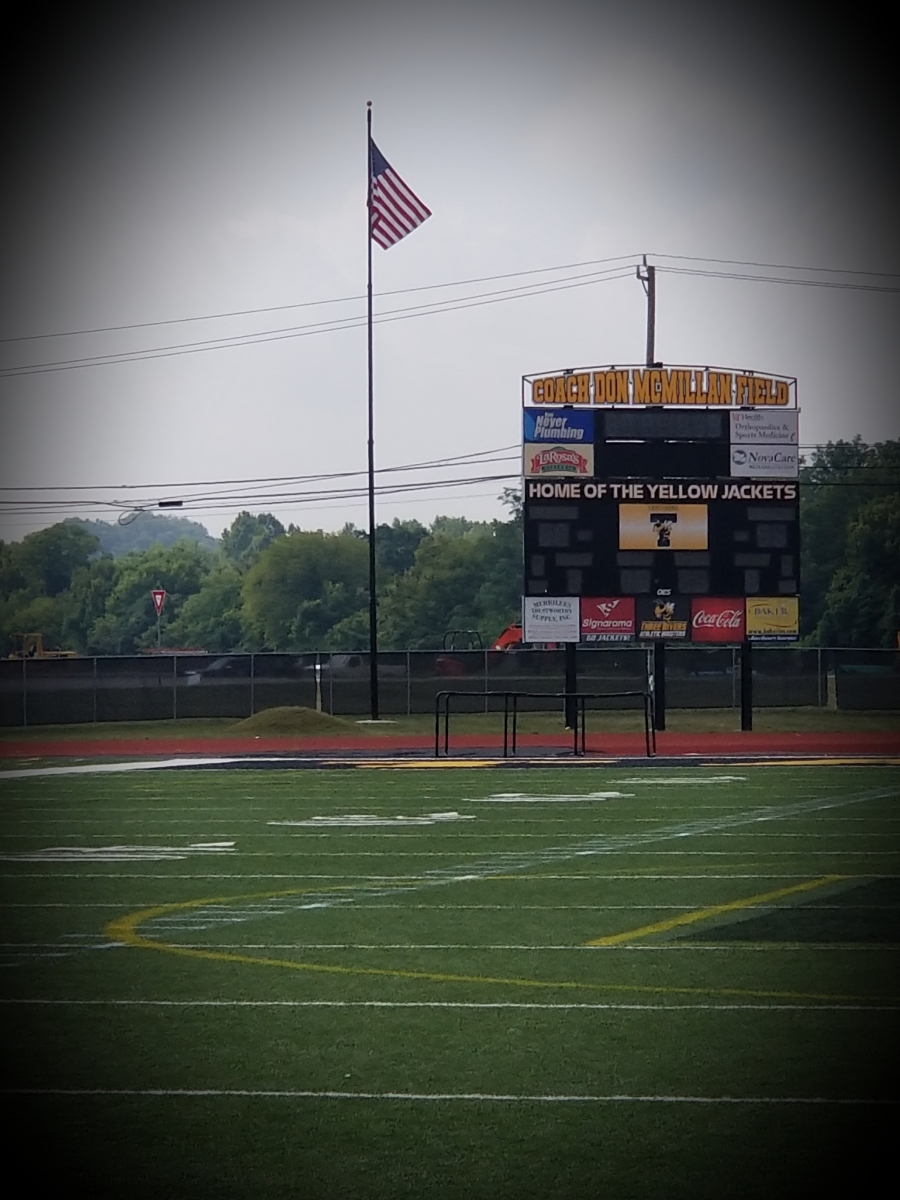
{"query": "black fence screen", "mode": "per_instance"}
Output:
(177, 686)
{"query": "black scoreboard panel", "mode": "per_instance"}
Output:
(630, 543)
(658, 443)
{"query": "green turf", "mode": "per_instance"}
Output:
(430, 983)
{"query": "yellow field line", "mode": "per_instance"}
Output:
(125, 931)
(427, 763)
(716, 910)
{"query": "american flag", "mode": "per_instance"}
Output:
(396, 211)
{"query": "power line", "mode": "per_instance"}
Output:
(740, 262)
(821, 283)
(249, 312)
(452, 460)
(336, 325)
(280, 500)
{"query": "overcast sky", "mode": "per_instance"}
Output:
(210, 158)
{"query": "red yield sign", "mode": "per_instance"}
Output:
(159, 599)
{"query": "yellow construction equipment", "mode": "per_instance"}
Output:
(31, 645)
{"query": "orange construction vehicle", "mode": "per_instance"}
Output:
(510, 637)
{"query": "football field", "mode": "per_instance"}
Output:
(407, 982)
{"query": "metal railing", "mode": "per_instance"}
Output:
(511, 710)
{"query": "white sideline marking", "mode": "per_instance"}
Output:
(118, 853)
(528, 798)
(441, 1097)
(114, 768)
(686, 779)
(464, 1004)
(388, 878)
(367, 820)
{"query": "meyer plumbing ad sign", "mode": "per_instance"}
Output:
(663, 526)
(543, 425)
(551, 619)
(607, 619)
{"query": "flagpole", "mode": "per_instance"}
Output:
(373, 601)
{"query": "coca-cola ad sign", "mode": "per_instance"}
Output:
(717, 620)
(607, 619)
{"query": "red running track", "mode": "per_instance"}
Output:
(831, 745)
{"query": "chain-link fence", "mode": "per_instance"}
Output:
(44, 691)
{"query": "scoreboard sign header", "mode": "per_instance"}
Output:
(678, 385)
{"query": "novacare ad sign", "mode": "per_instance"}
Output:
(551, 619)
(765, 462)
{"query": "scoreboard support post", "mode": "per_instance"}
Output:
(746, 686)
(659, 685)
(571, 685)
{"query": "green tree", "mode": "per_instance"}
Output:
(471, 580)
(838, 481)
(247, 536)
(85, 601)
(48, 559)
(129, 620)
(862, 605)
(302, 587)
(395, 545)
(212, 618)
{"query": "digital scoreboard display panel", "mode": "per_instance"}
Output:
(665, 522)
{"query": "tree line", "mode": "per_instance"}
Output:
(264, 587)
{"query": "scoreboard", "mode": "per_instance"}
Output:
(674, 517)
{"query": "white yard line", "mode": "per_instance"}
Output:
(453, 1004)
(441, 1097)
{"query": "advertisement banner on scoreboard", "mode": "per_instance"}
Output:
(773, 619)
(716, 620)
(607, 619)
(569, 426)
(663, 526)
(551, 459)
(666, 617)
(551, 619)
(760, 461)
(749, 426)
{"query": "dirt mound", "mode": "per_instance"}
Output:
(292, 719)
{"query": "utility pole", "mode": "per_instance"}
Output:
(647, 275)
